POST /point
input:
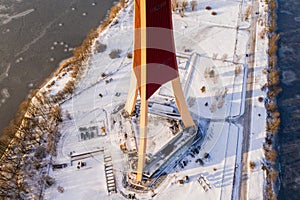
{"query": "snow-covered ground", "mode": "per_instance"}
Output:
(256, 153)
(213, 75)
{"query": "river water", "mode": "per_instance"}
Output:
(289, 99)
(35, 35)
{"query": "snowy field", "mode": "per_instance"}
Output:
(212, 56)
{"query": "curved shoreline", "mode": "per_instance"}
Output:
(34, 131)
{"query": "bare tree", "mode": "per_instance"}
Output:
(248, 12)
(181, 12)
(184, 4)
(174, 5)
(214, 56)
(224, 57)
(194, 4)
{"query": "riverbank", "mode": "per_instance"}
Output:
(74, 64)
(31, 139)
(273, 116)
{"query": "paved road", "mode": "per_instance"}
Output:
(248, 103)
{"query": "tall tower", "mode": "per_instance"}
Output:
(154, 63)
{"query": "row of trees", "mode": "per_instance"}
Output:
(29, 149)
(273, 115)
(182, 5)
